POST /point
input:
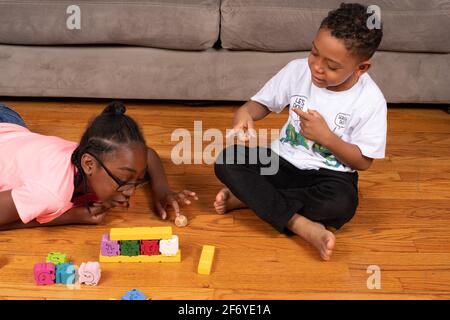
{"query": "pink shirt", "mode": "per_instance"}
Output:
(39, 172)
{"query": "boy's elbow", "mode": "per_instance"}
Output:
(365, 164)
(363, 168)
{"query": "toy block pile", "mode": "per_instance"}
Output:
(140, 244)
(57, 270)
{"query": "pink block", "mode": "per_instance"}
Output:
(44, 273)
(89, 273)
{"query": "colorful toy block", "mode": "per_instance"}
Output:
(206, 259)
(129, 247)
(44, 273)
(134, 294)
(89, 273)
(65, 273)
(149, 250)
(169, 247)
(109, 247)
(150, 247)
(142, 258)
(56, 258)
(141, 233)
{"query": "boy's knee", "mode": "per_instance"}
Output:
(229, 161)
(232, 155)
(342, 206)
(219, 170)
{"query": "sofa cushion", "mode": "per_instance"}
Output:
(290, 25)
(171, 24)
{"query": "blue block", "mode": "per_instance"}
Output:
(134, 294)
(65, 273)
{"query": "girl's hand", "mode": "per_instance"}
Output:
(174, 199)
(97, 213)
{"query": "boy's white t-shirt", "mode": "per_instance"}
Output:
(357, 115)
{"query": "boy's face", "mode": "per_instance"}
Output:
(332, 65)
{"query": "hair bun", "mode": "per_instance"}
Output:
(115, 107)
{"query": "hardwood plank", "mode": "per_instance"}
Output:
(401, 224)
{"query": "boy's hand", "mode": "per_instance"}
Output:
(313, 126)
(174, 199)
(242, 126)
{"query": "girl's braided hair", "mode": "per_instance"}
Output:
(104, 134)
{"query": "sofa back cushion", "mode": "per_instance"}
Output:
(170, 24)
(290, 25)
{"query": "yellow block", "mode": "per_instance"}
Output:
(158, 258)
(141, 233)
(206, 259)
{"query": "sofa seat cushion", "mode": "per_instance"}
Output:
(170, 24)
(290, 25)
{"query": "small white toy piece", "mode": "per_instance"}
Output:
(169, 247)
(181, 221)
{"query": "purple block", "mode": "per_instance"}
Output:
(109, 247)
(44, 273)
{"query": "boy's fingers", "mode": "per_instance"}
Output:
(236, 129)
(231, 133)
(252, 131)
(314, 113)
(242, 135)
(302, 114)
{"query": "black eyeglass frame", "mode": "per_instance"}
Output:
(122, 185)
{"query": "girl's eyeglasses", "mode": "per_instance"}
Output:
(123, 186)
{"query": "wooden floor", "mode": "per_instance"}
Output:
(402, 224)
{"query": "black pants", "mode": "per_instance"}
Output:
(326, 196)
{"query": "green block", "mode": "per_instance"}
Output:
(129, 248)
(56, 258)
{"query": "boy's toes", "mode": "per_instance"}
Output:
(326, 255)
(220, 207)
(222, 195)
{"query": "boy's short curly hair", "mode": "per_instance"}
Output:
(349, 23)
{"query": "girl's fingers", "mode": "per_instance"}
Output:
(161, 211)
(176, 206)
(181, 197)
(190, 194)
(95, 210)
(100, 215)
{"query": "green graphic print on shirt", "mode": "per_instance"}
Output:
(296, 139)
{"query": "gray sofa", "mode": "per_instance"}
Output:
(204, 49)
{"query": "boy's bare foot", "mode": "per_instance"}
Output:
(315, 233)
(227, 201)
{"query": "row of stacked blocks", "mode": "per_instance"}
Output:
(141, 244)
(57, 270)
